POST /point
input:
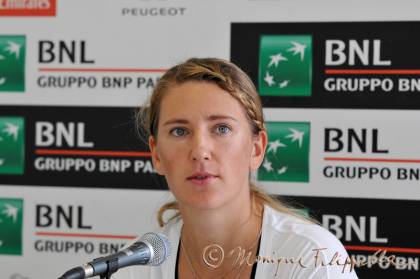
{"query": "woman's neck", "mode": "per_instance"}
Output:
(237, 224)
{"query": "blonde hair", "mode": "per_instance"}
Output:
(228, 77)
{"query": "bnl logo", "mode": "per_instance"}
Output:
(11, 220)
(12, 145)
(12, 63)
(285, 65)
(287, 155)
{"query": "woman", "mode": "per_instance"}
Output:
(206, 135)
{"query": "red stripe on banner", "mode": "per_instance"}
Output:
(102, 70)
(89, 235)
(375, 160)
(91, 153)
(372, 72)
(377, 248)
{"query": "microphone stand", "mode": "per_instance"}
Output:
(79, 273)
(112, 267)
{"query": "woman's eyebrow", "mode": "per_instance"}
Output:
(221, 116)
(175, 121)
(209, 118)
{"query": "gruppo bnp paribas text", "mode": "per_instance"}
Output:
(363, 53)
(73, 53)
(72, 137)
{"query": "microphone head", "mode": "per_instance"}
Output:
(160, 245)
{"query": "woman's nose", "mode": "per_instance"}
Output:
(200, 147)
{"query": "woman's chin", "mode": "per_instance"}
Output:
(204, 202)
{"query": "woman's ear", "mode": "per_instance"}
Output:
(258, 150)
(155, 156)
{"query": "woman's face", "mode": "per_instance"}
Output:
(205, 147)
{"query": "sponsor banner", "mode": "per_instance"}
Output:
(81, 66)
(328, 65)
(28, 8)
(11, 222)
(71, 71)
(69, 66)
(287, 154)
(12, 145)
(69, 227)
(74, 146)
(365, 227)
(370, 154)
(12, 63)
(282, 60)
(153, 9)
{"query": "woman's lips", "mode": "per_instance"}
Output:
(201, 179)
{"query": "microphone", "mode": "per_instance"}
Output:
(150, 249)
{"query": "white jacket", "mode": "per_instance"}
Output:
(283, 236)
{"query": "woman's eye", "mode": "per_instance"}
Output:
(178, 132)
(223, 129)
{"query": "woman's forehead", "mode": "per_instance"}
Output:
(199, 99)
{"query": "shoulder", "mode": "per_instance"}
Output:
(290, 237)
(298, 230)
